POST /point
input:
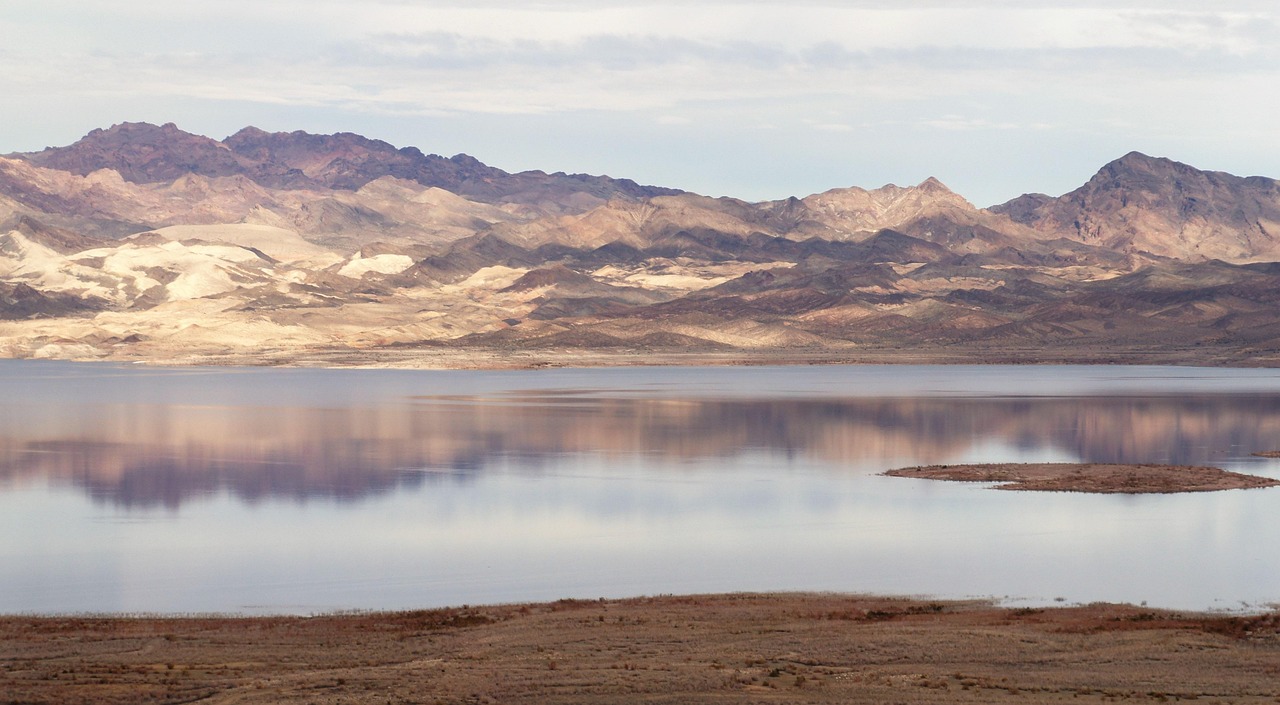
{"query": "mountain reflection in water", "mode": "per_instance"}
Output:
(128, 488)
(143, 455)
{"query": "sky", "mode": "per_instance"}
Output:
(756, 100)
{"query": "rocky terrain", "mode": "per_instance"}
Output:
(148, 243)
(744, 648)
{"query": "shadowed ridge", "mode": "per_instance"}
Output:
(145, 153)
(1144, 204)
(57, 239)
(141, 153)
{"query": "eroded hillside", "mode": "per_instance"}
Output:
(148, 243)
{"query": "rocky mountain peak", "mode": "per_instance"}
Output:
(466, 160)
(1136, 159)
(248, 132)
(138, 131)
(1159, 206)
(148, 154)
(1167, 180)
(932, 185)
(141, 153)
(1137, 170)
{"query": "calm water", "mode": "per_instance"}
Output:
(126, 489)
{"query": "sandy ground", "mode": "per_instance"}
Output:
(802, 648)
(1099, 478)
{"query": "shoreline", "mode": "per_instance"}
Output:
(772, 647)
(457, 358)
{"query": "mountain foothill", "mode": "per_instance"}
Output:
(147, 243)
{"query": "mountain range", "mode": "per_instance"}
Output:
(145, 242)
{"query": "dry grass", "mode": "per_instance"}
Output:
(723, 649)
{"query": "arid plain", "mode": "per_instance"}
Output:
(717, 649)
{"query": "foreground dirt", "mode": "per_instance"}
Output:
(1098, 478)
(721, 649)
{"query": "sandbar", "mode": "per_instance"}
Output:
(1099, 478)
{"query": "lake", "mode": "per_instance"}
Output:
(129, 489)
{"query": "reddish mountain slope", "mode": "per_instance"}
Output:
(1145, 204)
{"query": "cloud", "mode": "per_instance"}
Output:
(399, 58)
(961, 122)
(897, 26)
(861, 70)
(255, 25)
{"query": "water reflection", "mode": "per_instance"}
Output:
(126, 489)
(152, 455)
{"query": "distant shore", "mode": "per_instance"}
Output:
(450, 357)
(733, 648)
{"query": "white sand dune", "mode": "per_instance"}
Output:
(277, 243)
(382, 264)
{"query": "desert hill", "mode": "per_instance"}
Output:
(1163, 207)
(144, 242)
(145, 154)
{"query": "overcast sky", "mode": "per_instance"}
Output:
(758, 100)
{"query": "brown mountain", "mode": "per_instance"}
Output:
(142, 153)
(149, 243)
(146, 154)
(1158, 206)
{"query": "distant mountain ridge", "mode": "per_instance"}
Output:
(1135, 204)
(1156, 205)
(147, 242)
(144, 153)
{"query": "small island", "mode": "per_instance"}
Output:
(1099, 478)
